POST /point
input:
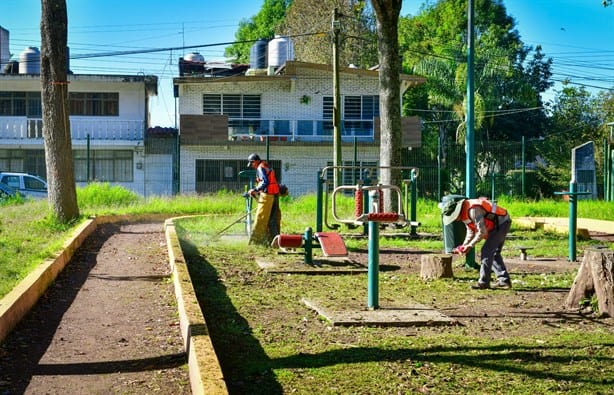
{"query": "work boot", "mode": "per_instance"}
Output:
(503, 285)
(480, 285)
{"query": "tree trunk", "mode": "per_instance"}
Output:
(387, 13)
(56, 124)
(436, 266)
(595, 277)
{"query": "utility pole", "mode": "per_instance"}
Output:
(469, 136)
(470, 190)
(337, 160)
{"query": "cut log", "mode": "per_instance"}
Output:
(595, 277)
(436, 266)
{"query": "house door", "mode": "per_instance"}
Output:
(159, 175)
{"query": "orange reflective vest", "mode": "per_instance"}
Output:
(268, 183)
(491, 219)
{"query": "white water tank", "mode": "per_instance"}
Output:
(194, 57)
(281, 50)
(30, 61)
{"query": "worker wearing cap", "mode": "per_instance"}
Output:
(268, 214)
(483, 219)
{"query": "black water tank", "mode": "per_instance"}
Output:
(257, 55)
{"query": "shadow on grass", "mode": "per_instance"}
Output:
(248, 369)
(392, 251)
(508, 358)
(242, 358)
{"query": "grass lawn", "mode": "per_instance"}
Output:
(516, 341)
(268, 341)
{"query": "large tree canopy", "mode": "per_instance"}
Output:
(577, 117)
(434, 44)
(358, 44)
(263, 25)
(308, 23)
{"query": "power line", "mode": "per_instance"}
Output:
(183, 47)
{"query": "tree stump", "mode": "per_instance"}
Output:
(595, 277)
(436, 266)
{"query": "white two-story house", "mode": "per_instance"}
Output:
(284, 113)
(108, 124)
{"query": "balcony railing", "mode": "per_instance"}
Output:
(299, 130)
(22, 128)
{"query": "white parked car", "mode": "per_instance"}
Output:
(26, 184)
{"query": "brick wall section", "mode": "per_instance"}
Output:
(296, 94)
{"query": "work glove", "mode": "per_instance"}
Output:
(461, 249)
(252, 192)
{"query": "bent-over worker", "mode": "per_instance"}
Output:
(483, 219)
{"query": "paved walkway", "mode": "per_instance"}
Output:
(108, 324)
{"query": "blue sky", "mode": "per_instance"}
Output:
(577, 34)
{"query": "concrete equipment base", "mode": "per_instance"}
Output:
(394, 314)
(288, 263)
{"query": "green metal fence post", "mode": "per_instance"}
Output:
(573, 203)
(605, 169)
(524, 167)
(439, 155)
(355, 160)
(414, 198)
(88, 159)
(319, 201)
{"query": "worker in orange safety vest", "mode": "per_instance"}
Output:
(483, 219)
(268, 214)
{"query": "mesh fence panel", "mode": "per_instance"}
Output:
(211, 168)
(163, 167)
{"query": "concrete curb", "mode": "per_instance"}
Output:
(205, 371)
(204, 368)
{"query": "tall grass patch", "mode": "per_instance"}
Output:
(28, 236)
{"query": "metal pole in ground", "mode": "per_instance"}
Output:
(573, 204)
(373, 269)
(307, 238)
(573, 220)
(319, 201)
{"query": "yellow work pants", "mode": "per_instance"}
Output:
(260, 232)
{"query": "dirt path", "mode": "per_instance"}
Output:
(108, 324)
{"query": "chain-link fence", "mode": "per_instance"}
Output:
(499, 167)
(164, 167)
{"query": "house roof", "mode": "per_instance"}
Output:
(295, 69)
(150, 81)
(162, 131)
